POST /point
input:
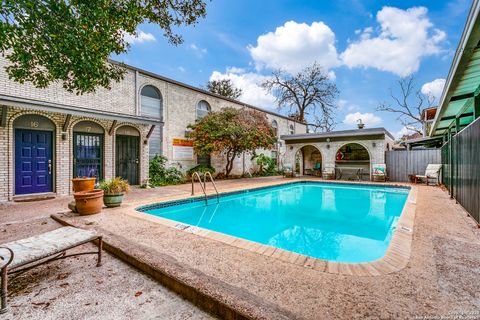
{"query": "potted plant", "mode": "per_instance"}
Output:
(88, 202)
(84, 183)
(114, 190)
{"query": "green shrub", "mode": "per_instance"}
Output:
(115, 186)
(266, 163)
(201, 168)
(160, 175)
(173, 176)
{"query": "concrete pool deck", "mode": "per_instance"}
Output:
(440, 277)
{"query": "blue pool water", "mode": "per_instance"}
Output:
(336, 222)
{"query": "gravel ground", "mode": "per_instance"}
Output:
(75, 288)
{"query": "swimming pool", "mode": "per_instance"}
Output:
(331, 221)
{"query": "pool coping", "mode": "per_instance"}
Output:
(395, 259)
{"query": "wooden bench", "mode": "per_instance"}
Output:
(24, 254)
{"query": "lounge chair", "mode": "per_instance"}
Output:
(432, 172)
(288, 171)
(379, 172)
(24, 254)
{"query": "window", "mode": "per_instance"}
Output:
(275, 127)
(151, 106)
(203, 108)
(151, 102)
(292, 129)
(205, 160)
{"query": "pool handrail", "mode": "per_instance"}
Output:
(196, 174)
(205, 175)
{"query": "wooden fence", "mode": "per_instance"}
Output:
(401, 163)
(461, 162)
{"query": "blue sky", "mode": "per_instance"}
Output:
(364, 45)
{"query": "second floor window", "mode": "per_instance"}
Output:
(203, 108)
(275, 127)
(292, 129)
(151, 102)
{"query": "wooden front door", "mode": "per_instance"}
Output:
(127, 151)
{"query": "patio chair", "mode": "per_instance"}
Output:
(432, 172)
(317, 169)
(288, 171)
(24, 254)
(379, 172)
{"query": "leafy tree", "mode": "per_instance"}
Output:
(224, 88)
(310, 92)
(408, 103)
(70, 41)
(230, 132)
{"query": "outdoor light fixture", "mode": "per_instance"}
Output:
(64, 136)
(291, 148)
(328, 139)
(328, 146)
(374, 144)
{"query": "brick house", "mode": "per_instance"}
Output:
(48, 136)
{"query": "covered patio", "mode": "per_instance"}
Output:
(350, 153)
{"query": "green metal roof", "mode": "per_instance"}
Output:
(463, 81)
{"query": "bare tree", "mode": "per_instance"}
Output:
(409, 103)
(309, 94)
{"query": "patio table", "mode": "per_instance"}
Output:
(358, 171)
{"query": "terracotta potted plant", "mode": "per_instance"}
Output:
(88, 202)
(85, 183)
(114, 190)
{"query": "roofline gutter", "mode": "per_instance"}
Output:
(337, 135)
(77, 111)
(199, 90)
(461, 49)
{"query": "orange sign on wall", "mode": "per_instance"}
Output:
(179, 142)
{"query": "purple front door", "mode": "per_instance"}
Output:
(33, 161)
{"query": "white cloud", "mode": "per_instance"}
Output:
(140, 37)
(199, 51)
(368, 119)
(433, 89)
(181, 69)
(250, 83)
(235, 70)
(294, 45)
(405, 37)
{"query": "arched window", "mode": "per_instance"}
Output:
(292, 129)
(203, 108)
(151, 102)
(275, 127)
(151, 106)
